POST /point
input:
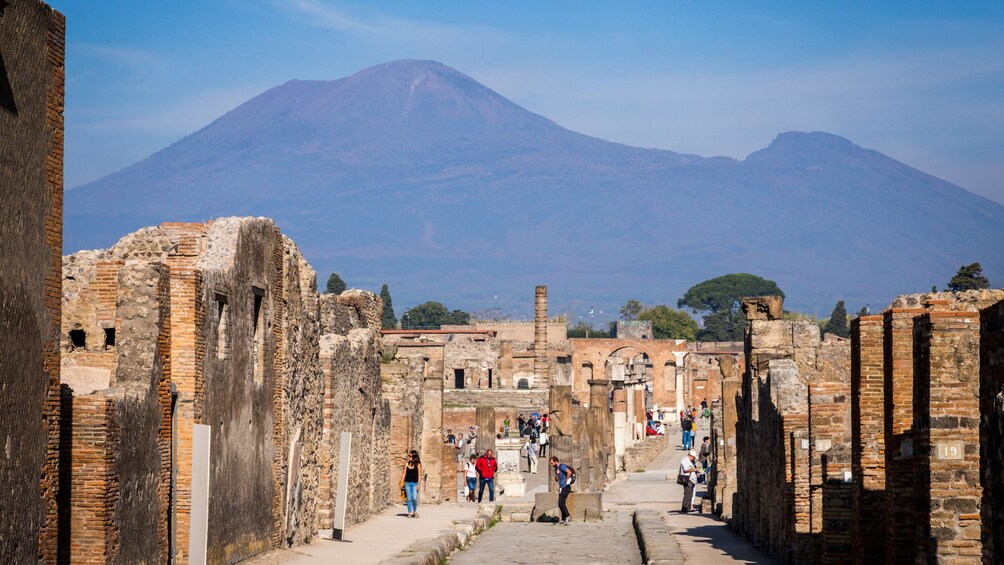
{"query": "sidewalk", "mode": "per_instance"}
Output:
(381, 537)
(702, 538)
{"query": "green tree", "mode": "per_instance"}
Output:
(969, 277)
(432, 316)
(631, 309)
(582, 329)
(389, 320)
(837, 325)
(669, 323)
(862, 312)
(335, 284)
(726, 325)
(720, 297)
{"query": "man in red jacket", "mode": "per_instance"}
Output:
(486, 467)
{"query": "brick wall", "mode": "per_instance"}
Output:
(899, 447)
(946, 437)
(992, 430)
(867, 437)
(32, 38)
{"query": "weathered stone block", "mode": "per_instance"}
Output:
(581, 505)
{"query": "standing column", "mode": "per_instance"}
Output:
(485, 419)
(620, 423)
(560, 436)
(598, 425)
(541, 368)
(867, 438)
(992, 429)
(432, 439)
(897, 368)
(946, 420)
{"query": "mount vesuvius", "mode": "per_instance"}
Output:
(414, 174)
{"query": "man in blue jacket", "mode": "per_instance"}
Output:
(565, 477)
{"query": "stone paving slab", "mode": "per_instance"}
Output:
(611, 540)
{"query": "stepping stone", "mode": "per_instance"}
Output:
(648, 476)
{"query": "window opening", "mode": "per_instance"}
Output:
(109, 338)
(458, 378)
(78, 338)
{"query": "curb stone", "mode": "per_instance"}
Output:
(433, 551)
(657, 544)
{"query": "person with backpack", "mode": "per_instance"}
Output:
(688, 479)
(565, 476)
(687, 427)
(704, 455)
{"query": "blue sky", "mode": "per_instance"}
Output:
(920, 81)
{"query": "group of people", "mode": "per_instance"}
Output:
(688, 423)
(465, 446)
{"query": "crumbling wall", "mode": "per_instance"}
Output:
(114, 491)
(32, 37)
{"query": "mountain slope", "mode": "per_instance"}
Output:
(414, 174)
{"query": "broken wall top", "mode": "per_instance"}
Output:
(966, 301)
(763, 307)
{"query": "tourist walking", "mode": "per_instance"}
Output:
(505, 426)
(486, 467)
(565, 477)
(688, 479)
(704, 455)
(532, 452)
(521, 424)
(544, 443)
(687, 427)
(471, 475)
(409, 480)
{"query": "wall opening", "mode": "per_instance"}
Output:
(109, 338)
(222, 323)
(523, 384)
(489, 378)
(258, 336)
(458, 378)
(78, 339)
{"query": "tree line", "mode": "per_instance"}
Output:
(717, 299)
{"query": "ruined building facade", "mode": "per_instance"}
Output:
(217, 324)
(883, 448)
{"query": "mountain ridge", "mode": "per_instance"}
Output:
(417, 170)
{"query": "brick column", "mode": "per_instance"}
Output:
(897, 367)
(946, 437)
(94, 487)
(867, 438)
(829, 426)
(992, 430)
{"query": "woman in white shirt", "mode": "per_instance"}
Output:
(471, 474)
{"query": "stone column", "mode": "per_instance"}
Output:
(630, 414)
(598, 426)
(505, 365)
(541, 368)
(946, 422)
(432, 439)
(620, 423)
(727, 474)
(485, 419)
(561, 426)
(867, 438)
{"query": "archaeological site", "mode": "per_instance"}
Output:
(187, 395)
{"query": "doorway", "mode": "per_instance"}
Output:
(458, 378)
(489, 378)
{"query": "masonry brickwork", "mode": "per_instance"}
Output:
(32, 48)
(843, 445)
(228, 314)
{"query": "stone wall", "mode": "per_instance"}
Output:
(353, 402)
(32, 39)
(241, 341)
(590, 360)
(116, 453)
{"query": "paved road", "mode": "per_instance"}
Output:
(609, 541)
(702, 539)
